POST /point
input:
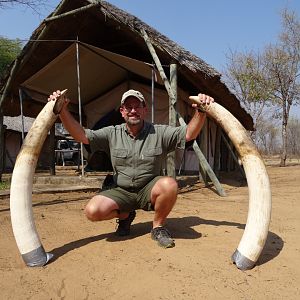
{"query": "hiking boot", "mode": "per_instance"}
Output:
(124, 225)
(163, 237)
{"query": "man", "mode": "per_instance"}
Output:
(138, 150)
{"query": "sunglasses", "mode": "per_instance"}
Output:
(129, 108)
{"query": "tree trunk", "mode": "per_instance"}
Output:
(284, 144)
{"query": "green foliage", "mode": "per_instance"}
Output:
(4, 185)
(9, 50)
(252, 79)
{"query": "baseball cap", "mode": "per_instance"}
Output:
(133, 93)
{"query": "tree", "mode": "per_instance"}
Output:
(273, 76)
(9, 50)
(32, 4)
(247, 79)
(293, 136)
(283, 64)
(267, 136)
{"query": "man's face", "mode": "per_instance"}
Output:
(133, 111)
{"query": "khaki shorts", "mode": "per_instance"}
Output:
(128, 201)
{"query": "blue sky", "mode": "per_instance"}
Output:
(209, 29)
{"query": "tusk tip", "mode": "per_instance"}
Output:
(194, 99)
(59, 102)
(63, 92)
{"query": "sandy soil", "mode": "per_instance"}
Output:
(91, 263)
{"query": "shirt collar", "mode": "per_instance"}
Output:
(142, 132)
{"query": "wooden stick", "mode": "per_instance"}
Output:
(203, 162)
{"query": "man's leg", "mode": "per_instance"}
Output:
(101, 208)
(163, 198)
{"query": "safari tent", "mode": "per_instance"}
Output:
(97, 52)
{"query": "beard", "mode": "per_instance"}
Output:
(133, 121)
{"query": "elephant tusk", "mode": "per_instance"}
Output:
(259, 213)
(22, 220)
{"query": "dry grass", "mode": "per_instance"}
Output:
(274, 160)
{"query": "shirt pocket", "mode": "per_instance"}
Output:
(153, 152)
(152, 159)
(119, 157)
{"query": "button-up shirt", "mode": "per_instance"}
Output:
(137, 160)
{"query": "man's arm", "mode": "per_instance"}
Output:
(70, 124)
(196, 123)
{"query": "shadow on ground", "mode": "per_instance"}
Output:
(272, 248)
(181, 228)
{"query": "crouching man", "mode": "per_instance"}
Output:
(138, 150)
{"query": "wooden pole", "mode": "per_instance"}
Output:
(52, 150)
(2, 143)
(172, 117)
(72, 12)
(203, 144)
(233, 156)
(217, 151)
(22, 114)
(201, 157)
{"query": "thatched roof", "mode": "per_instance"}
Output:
(105, 26)
(15, 123)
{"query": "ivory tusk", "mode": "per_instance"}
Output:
(259, 213)
(22, 220)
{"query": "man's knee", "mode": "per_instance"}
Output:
(165, 185)
(92, 211)
(168, 184)
(98, 208)
(165, 192)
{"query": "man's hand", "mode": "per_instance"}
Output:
(55, 95)
(203, 100)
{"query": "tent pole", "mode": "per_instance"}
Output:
(2, 145)
(201, 157)
(22, 115)
(79, 102)
(152, 95)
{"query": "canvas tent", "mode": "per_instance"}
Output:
(100, 93)
(98, 51)
(93, 62)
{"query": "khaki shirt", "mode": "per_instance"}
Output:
(138, 160)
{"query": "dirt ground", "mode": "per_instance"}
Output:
(91, 263)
